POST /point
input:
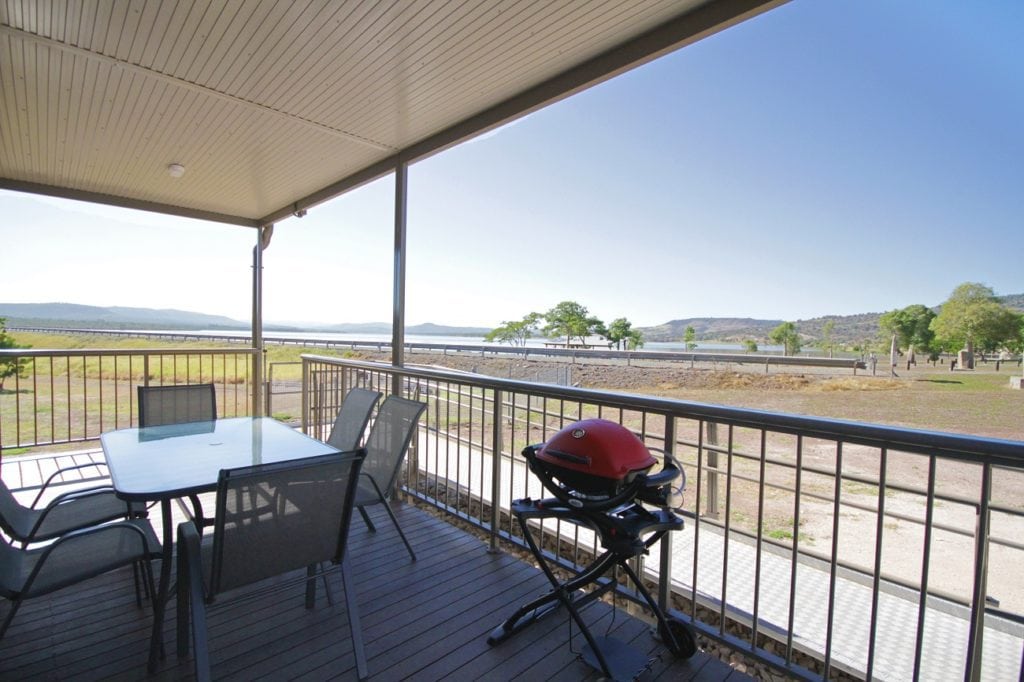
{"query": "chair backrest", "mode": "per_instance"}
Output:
(389, 438)
(275, 518)
(12, 513)
(354, 415)
(180, 404)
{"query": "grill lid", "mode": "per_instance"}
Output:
(597, 448)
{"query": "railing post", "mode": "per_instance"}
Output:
(267, 409)
(712, 489)
(305, 396)
(976, 633)
(496, 430)
(413, 457)
(665, 551)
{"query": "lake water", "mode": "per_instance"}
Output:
(666, 346)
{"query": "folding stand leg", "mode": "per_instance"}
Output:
(651, 604)
(562, 593)
(671, 640)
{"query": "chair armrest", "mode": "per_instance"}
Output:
(68, 497)
(192, 597)
(66, 543)
(60, 471)
(373, 482)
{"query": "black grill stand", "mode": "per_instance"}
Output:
(621, 532)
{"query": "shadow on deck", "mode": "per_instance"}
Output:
(425, 620)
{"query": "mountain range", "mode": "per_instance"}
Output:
(847, 328)
(73, 315)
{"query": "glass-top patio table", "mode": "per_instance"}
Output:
(161, 463)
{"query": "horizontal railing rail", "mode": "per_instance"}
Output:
(817, 545)
(74, 395)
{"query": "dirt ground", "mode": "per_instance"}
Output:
(926, 397)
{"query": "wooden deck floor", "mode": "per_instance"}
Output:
(423, 620)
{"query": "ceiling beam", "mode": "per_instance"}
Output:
(125, 202)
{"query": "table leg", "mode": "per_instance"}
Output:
(156, 642)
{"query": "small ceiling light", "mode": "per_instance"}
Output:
(176, 170)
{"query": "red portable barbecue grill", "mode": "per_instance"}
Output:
(597, 471)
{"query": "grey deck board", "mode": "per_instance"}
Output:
(427, 620)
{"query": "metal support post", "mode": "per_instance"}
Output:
(263, 235)
(496, 429)
(665, 549)
(398, 288)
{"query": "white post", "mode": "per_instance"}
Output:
(263, 235)
(398, 293)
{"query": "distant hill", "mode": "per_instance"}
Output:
(71, 315)
(1015, 301)
(848, 328)
(706, 328)
(116, 317)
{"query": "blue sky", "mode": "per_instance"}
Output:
(824, 158)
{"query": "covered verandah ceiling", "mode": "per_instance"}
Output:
(274, 106)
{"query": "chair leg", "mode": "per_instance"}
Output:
(135, 579)
(394, 520)
(352, 608)
(150, 584)
(311, 586)
(327, 585)
(366, 519)
(15, 603)
(183, 599)
(190, 591)
(199, 639)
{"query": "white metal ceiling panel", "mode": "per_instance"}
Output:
(270, 102)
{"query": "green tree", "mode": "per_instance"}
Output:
(787, 336)
(571, 320)
(690, 337)
(912, 327)
(621, 333)
(1017, 346)
(515, 333)
(9, 367)
(973, 317)
(634, 340)
(750, 346)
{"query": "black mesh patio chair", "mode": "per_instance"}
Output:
(354, 415)
(73, 558)
(305, 528)
(178, 404)
(66, 512)
(386, 445)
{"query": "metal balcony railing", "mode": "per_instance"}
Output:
(70, 396)
(823, 547)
